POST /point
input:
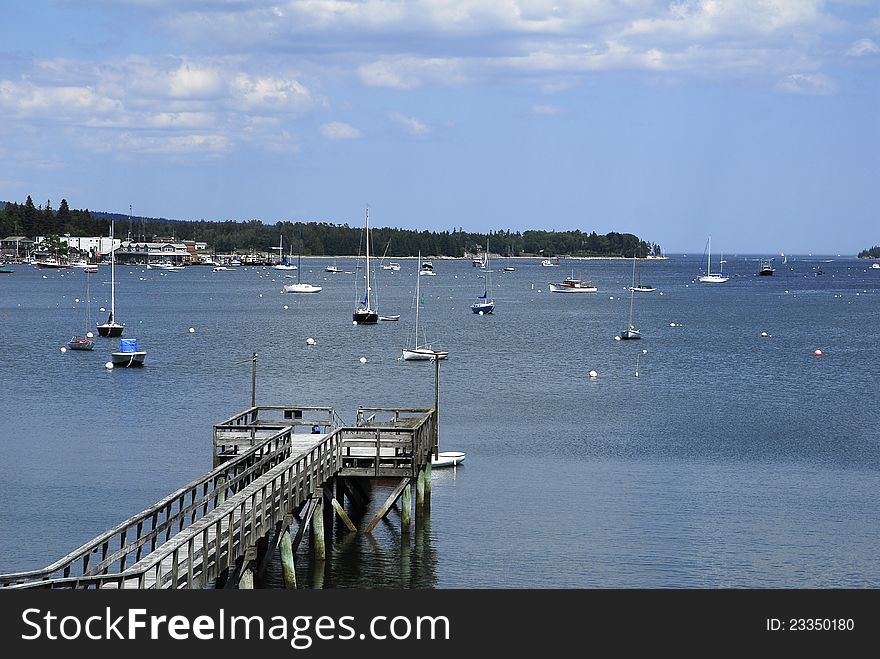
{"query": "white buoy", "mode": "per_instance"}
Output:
(672, 324)
(102, 309)
(45, 277)
(286, 307)
(90, 335)
(593, 374)
(63, 349)
(363, 360)
(108, 365)
(661, 292)
(617, 338)
(644, 352)
(481, 313)
(610, 297)
(818, 353)
(764, 334)
(310, 341)
(354, 322)
(192, 330)
(261, 295)
(76, 299)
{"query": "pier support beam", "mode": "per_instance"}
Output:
(328, 497)
(404, 484)
(319, 542)
(428, 485)
(406, 509)
(246, 581)
(287, 564)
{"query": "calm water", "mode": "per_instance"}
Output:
(731, 460)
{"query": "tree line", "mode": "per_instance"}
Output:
(870, 253)
(314, 238)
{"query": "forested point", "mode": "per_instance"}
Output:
(870, 253)
(313, 238)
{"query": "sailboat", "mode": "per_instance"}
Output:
(284, 264)
(111, 328)
(299, 286)
(421, 351)
(485, 304)
(364, 314)
(85, 341)
(710, 277)
(631, 332)
(640, 287)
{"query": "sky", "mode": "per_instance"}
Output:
(753, 121)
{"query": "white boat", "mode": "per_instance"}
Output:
(447, 459)
(364, 313)
(391, 319)
(875, 266)
(421, 350)
(550, 263)
(332, 268)
(427, 268)
(128, 354)
(509, 269)
(299, 286)
(631, 332)
(713, 277)
(573, 285)
(223, 268)
(111, 328)
(640, 287)
(84, 342)
(485, 304)
(285, 264)
(391, 266)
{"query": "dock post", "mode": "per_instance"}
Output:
(420, 492)
(287, 564)
(246, 581)
(428, 484)
(318, 540)
(406, 509)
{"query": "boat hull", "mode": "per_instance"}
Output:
(630, 335)
(766, 273)
(556, 288)
(301, 288)
(128, 359)
(110, 329)
(365, 317)
(643, 289)
(447, 459)
(483, 308)
(80, 344)
(423, 354)
(713, 279)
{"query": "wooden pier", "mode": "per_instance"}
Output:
(280, 472)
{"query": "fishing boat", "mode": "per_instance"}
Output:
(427, 268)
(128, 354)
(713, 277)
(875, 266)
(485, 304)
(111, 328)
(447, 459)
(631, 332)
(419, 348)
(365, 314)
(52, 264)
(550, 263)
(573, 285)
(299, 286)
(332, 268)
(640, 287)
(84, 342)
(766, 270)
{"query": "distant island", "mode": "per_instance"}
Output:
(314, 238)
(870, 253)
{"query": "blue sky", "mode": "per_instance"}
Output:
(755, 121)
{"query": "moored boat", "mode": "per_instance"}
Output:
(573, 285)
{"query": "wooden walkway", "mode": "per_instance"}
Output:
(267, 473)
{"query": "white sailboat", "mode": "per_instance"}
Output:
(421, 351)
(364, 314)
(299, 286)
(716, 277)
(631, 332)
(485, 304)
(84, 342)
(284, 264)
(111, 328)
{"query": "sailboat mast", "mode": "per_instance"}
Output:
(632, 293)
(113, 270)
(418, 289)
(488, 270)
(367, 225)
(709, 258)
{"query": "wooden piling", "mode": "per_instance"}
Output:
(428, 484)
(287, 563)
(406, 509)
(246, 581)
(318, 540)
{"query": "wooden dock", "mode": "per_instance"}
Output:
(279, 473)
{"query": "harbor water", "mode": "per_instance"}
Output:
(718, 451)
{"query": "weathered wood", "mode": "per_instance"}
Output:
(288, 569)
(406, 509)
(390, 501)
(319, 544)
(340, 511)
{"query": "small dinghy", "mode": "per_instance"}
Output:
(447, 459)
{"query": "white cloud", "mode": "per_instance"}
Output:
(545, 109)
(411, 72)
(811, 84)
(338, 130)
(863, 47)
(66, 103)
(412, 125)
